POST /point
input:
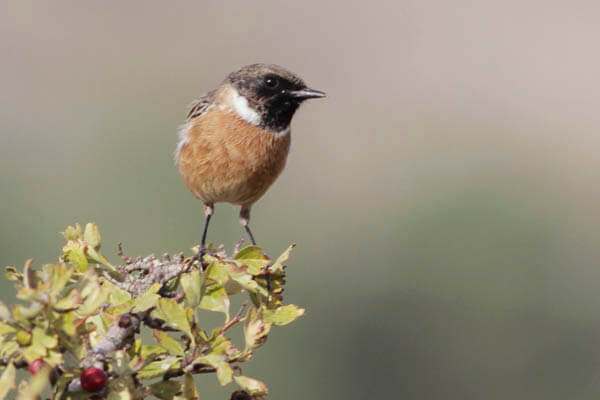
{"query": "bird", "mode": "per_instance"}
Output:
(235, 140)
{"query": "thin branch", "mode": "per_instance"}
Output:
(237, 318)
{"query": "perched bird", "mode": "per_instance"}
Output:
(236, 138)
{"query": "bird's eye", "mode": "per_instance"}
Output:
(271, 82)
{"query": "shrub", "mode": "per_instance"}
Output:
(85, 323)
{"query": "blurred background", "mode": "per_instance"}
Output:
(443, 196)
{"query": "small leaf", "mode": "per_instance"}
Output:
(8, 349)
(120, 363)
(256, 329)
(68, 302)
(277, 266)
(217, 272)
(97, 257)
(94, 294)
(254, 387)
(158, 368)
(121, 388)
(4, 312)
(253, 258)
(42, 338)
(192, 287)
(92, 235)
(189, 388)
(247, 282)
(24, 314)
(168, 343)
(61, 274)
(222, 345)
(6, 329)
(7, 380)
(13, 275)
(117, 295)
(23, 338)
(75, 254)
(166, 390)
(215, 299)
(283, 315)
(151, 352)
(175, 316)
(36, 384)
(73, 232)
(148, 299)
(224, 371)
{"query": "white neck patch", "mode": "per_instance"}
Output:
(241, 107)
(283, 133)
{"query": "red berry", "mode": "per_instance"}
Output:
(93, 379)
(35, 366)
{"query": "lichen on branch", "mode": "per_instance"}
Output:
(81, 318)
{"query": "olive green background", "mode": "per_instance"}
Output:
(443, 196)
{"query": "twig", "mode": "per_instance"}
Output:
(237, 318)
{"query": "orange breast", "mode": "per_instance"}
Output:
(229, 160)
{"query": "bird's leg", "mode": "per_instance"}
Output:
(209, 209)
(245, 221)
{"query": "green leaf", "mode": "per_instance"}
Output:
(148, 299)
(24, 314)
(36, 384)
(8, 349)
(5, 314)
(192, 287)
(75, 254)
(224, 371)
(158, 368)
(283, 315)
(70, 301)
(247, 282)
(73, 232)
(117, 295)
(42, 338)
(121, 388)
(189, 388)
(254, 387)
(215, 299)
(175, 316)
(97, 257)
(6, 329)
(92, 235)
(13, 275)
(7, 380)
(256, 329)
(253, 258)
(23, 338)
(278, 265)
(120, 363)
(150, 352)
(93, 293)
(61, 274)
(168, 343)
(166, 390)
(217, 272)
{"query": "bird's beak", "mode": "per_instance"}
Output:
(307, 93)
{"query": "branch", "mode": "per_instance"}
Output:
(138, 274)
(237, 318)
(116, 338)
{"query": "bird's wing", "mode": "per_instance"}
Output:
(200, 106)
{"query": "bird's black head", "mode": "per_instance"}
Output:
(271, 92)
